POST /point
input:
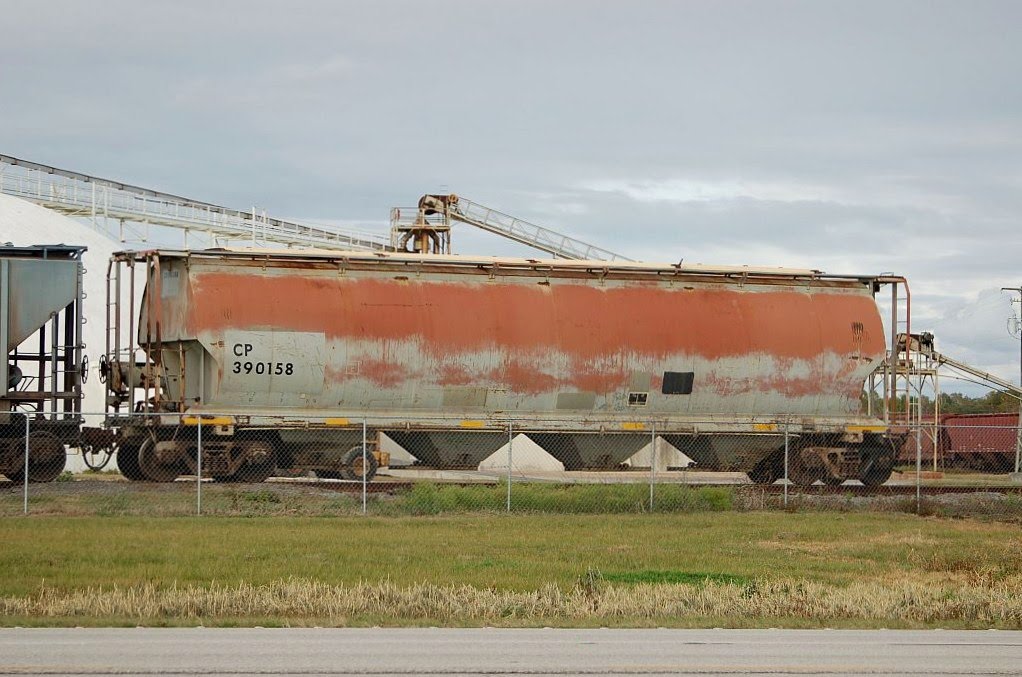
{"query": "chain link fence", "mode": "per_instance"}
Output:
(215, 465)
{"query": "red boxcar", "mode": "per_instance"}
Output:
(980, 441)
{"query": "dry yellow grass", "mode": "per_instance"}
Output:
(977, 603)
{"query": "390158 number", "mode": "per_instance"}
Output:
(264, 368)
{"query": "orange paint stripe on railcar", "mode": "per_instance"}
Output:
(576, 319)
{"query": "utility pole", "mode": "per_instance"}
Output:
(1015, 329)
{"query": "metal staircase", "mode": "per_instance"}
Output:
(99, 200)
(427, 229)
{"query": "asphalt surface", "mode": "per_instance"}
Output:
(257, 651)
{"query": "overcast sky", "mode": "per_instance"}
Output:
(849, 137)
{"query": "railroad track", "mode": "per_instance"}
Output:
(399, 486)
(773, 489)
(815, 490)
(885, 490)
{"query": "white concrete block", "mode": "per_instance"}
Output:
(527, 456)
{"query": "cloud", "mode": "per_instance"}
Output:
(857, 137)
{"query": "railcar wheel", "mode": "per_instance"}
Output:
(353, 468)
(154, 468)
(46, 459)
(258, 473)
(13, 471)
(47, 471)
(803, 474)
(127, 462)
(248, 474)
(876, 466)
(766, 472)
(261, 465)
(832, 480)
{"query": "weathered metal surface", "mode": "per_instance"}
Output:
(981, 441)
(450, 449)
(370, 341)
(40, 365)
(966, 433)
(591, 450)
(41, 361)
(36, 288)
(726, 451)
(465, 343)
(985, 441)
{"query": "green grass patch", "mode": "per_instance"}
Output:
(111, 498)
(518, 552)
(433, 499)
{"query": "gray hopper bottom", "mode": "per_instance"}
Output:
(726, 452)
(462, 449)
(591, 451)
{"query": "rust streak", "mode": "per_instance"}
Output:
(584, 322)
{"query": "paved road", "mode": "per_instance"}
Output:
(515, 652)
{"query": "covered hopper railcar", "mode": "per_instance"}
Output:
(42, 366)
(286, 353)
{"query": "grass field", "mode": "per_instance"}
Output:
(699, 568)
(110, 496)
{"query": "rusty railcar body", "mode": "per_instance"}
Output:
(980, 441)
(286, 353)
(41, 369)
(986, 442)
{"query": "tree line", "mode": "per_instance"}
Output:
(955, 403)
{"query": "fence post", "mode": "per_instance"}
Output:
(510, 446)
(1018, 439)
(28, 430)
(198, 466)
(785, 465)
(365, 464)
(919, 467)
(652, 463)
